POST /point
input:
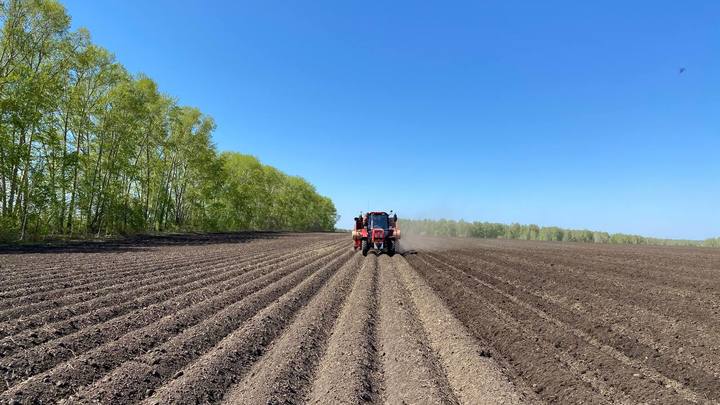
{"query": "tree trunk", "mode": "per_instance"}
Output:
(92, 186)
(71, 208)
(3, 181)
(25, 191)
(63, 190)
(146, 212)
(15, 168)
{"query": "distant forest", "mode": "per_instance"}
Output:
(489, 230)
(86, 148)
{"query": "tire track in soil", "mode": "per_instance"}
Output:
(473, 376)
(617, 326)
(284, 374)
(209, 377)
(161, 323)
(349, 371)
(621, 380)
(33, 336)
(411, 371)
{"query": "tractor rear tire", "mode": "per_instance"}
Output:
(391, 248)
(365, 247)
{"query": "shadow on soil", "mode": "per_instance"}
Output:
(401, 253)
(408, 252)
(137, 243)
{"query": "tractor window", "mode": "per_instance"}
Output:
(379, 221)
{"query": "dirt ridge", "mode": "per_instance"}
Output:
(347, 373)
(473, 376)
(66, 377)
(207, 379)
(285, 372)
(302, 318)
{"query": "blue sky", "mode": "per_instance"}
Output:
(556, 112)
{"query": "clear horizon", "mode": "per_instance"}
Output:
(557, 114)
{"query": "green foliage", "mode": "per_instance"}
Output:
(712, 242)
(270, 199)
(490, 230)
(86, 148)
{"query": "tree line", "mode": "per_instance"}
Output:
(489, 230)
(86, 148)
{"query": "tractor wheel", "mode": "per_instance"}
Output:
(391, 248)
(365, 247)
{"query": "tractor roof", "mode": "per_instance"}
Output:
(377, 213)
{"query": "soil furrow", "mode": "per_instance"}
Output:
(50, 331)
(673, 301)
(616, 265)
(411, 372)
(54, 310)
(532, 363)
(186, 263)
(301, 318)
(136, 379)
(113, 263)
(38, 296)
(284, 374)
(474, 377)
(347, 373)
(586, 347)
(606, 320)
(580, 359)
(125, 339)
(75, 305)
(89, 272)
(663, 258)
(208, 378)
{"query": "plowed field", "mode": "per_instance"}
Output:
(288, 318)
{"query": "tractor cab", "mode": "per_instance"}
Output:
(376, 231)
(379, 221)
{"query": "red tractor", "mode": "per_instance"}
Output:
(376, 231)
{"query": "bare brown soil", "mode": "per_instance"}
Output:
(301, 318)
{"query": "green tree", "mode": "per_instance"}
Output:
(87, 148)
(487, 230)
